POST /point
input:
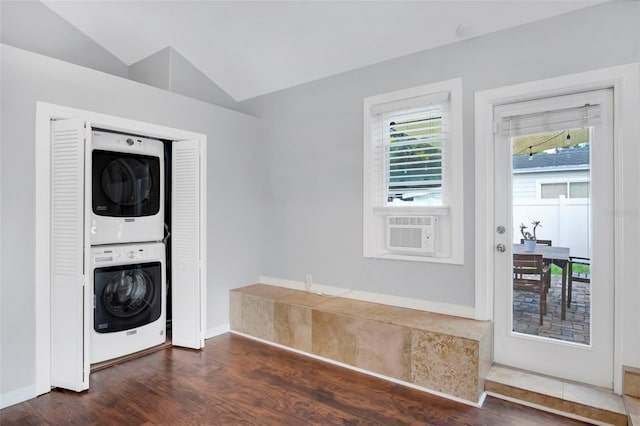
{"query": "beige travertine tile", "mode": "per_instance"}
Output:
(485, 357)
(292, 326)
(446, 364)
(596, 398)
(428, 321)
(526, 381)
(522, 394)
(303, 298)
(445, 324)
(265, 291)
(235, 311)
(633, 408)
(364, 343)
(257, 317)
(359, 308)
(330, 339)
(631, 382)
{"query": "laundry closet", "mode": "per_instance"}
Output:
(127, 256)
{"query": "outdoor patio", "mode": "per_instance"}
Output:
(576, 326)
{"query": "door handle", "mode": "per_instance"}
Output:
(501, 248)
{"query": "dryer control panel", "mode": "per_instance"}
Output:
(103, 255)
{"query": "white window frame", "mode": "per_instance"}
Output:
(451, 215)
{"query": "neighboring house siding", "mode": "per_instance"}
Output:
(525, 185)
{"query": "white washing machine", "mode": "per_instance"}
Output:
(127, 181)
(129, 290)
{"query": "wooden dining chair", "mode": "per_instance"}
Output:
(577, 276)
(543, 243)
(530, 274)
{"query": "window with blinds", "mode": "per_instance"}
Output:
(412, 167)
(409, 140)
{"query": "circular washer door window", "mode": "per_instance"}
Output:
(128, 293)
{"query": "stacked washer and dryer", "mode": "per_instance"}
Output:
(128, 261)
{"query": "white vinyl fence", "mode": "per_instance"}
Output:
(566, 222)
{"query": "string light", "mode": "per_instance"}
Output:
(530, 154)
(568, 137)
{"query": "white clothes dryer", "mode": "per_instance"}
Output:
(129, 307)
(127, 185)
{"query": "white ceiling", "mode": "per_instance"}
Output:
(250, 48)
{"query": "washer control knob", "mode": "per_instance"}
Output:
(130, 141)
(132, 254)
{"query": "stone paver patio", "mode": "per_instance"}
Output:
(576, 326)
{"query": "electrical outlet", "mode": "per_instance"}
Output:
(307, 282)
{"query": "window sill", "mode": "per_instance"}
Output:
(412, 210)
(416, 258)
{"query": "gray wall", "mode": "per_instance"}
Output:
(234, 167)
(188, 80)
(169, 70)
(32, 26)
(313, 135)
(154, 70)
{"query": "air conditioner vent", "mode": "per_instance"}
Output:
(414, 234)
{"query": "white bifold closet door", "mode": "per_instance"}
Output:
(71, 284)
(70, 293)
(187, 248)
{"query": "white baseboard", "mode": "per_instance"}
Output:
(384, 299)
(217, 330)
(370, 373)
(17, 396)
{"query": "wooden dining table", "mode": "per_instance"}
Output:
(558, 256)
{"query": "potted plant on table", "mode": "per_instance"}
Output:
(529, 238)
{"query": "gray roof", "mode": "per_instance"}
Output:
(566, 158)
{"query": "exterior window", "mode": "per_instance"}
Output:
(578, 189)
(554, 190)
(413, 168)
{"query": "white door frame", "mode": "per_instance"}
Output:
(46, 112)
(624, 81)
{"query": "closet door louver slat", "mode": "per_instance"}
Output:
(186, 231)
(69, 340)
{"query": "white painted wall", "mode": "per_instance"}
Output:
(154, 70)
(235, 170)
(32, 26)
(313, 133)
(168, 69)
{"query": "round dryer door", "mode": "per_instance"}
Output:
(127, 296)
(124, 184)
(127, 181)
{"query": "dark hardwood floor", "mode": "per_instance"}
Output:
(239, 381)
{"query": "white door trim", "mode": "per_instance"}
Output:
(45, 112)
(624, 81)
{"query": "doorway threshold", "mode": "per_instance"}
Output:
(111, 362)
(583, 402)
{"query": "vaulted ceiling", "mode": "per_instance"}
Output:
(250, 48)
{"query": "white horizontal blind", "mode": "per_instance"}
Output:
(409, 140)
(551, 121)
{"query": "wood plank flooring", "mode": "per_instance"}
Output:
(234, 380)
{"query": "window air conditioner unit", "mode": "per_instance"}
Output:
(414, 234)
